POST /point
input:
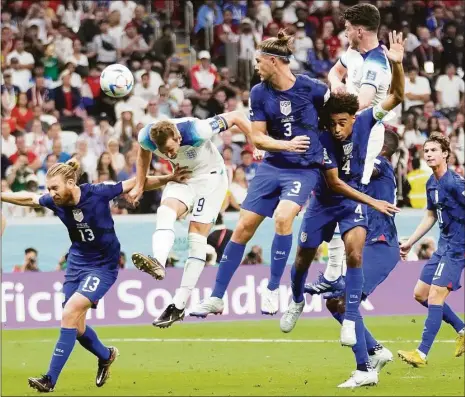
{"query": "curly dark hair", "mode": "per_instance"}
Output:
(342, 103)
(366, 15)
(442, 141)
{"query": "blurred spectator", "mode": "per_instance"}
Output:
(237, 190)
(435, 22)
(8, 140)
(30, 262)
(67, 102)
(104, 47)
(143, 88)
(411, 135)
(449, 54)
(302, 43)
(254, 257)
(133, 45)
(125, 129)
(155, 80)
(117, 159)
(9, 90)
(62, 263)
(412, 41)
(238, 8)
(104, 165)
(219, 237)
(17, 174)
(417, 90)
(37, 115)
(79, 59)
(425, 56)
(458, 131)
(426, 248)
(247, 44)
(144, 24)
(133, 103)
(203, 75)
(91, 136)
(332, 42)
(227, 153)
(186, 108)
(454, 164)
(126, 9)
(21, 113)
(224, 34)
(206, 106)
(39, 94)
(318, 61)
(22, 62)
(63, 44)
(57, 150)
(153, 112)
(129, 169)
(38, 141)
(31, 159)
(449, 90)
(51, 63)
(417, 179)
(167, 106)
(208, 15)
(174, 66)
(87, 158)
(247, 164)
(50, 160)
(164, 46)
(227, 138)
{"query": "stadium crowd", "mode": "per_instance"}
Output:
(52, 54)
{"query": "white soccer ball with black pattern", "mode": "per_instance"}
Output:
(116, 80)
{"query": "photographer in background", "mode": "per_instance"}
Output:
(30, 262)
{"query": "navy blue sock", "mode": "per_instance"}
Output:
(230, 261)
(90, 341)
(360, 348)
(432, 325)
(338, 317)
(354, 285)
(450, 317)
(62, 351)
(280, 250)
(371, 342)
(297, 284)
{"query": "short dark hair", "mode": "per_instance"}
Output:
(342, 103)
(366, 15)
(442, 141)
(391, 142)
(416, 163)
(30, 249)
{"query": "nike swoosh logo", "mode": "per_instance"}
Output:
(278, 259)
(353, 302)
(436, 278)
(358, 220)
(292, 194)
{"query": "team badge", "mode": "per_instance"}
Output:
(285, 107)
(348, 148)
(78, 215)
(371, 75)
(303, 237)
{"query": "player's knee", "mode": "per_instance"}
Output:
(243, 232)
(283, 223)
(354, 259)
(197, 246)
(166, 218)
(437, 295)
(304, 257)
(420, 294)
(70, 318)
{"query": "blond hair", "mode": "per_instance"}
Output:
(69, 170)
(162, 131)
(280, 46)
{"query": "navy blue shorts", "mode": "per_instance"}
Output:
(93, 284)
(321, 218)
(444, 270)
(271, 185)
(379, 259)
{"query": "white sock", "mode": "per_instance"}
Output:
(336, 253)
(163, 238)
(422, 355)
(192, 269)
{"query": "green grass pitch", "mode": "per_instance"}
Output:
(264, 364)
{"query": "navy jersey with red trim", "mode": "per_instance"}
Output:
(446, 197)
(90, 227)
(382, 186)
(288, 114)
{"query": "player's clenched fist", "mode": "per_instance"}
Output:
(404, 250)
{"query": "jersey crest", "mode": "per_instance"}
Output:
(78, 215)
(285, 107)
(348, 148)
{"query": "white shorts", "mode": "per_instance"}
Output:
(203, 195)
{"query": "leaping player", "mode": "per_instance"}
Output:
(92, 261)
(368, 75)
(445, 193)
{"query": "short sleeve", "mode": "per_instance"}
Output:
(257, 105)
(108, 190)
(343, 59)
(375, 71)
(378, 167)
(144, 139)
(320, 93)
(47, 202)
(458, 190)
(329, 152)
(429, 203)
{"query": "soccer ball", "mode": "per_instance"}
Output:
(116, 80)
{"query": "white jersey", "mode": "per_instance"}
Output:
(197, 152)
(371, 68)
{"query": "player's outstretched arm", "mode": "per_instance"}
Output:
(335, 77)
(428, 221)
(262, 141)
(142, 167)
(24, 199)
(340, 187)
(395, 55)
(237, 122)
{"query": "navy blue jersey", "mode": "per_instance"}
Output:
(90, 227)
(289, 114)
(382, 186)
(446, 197)
(350, 156)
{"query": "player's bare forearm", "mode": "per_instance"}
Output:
(339, 186)
(336, 75)
(265, 142)
(142, 167)
(428, 221)
(238, 122)
(156, 182)
(24, 199)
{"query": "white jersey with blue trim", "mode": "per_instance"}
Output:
(371, 68)
(197, 151)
